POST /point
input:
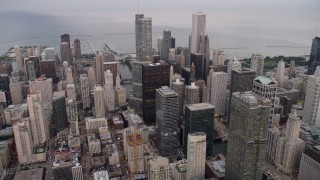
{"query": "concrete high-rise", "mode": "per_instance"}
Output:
(311, 111)
(85, 91)
(199, 118)
(292, 69)
(257, 63)
(179, 88)
(196, 155)
(65, 52)
(266, 88)
(30, 70)
(44, 85)
(49, 53)
(310, 164)
(99, 100)
(233, 64)
(153, 76)
(280, 73)
(23, 139)
(71, 91)
(159, 168)
(120, 93)
(218, 58)
(91, 78)
(70, 79)
(77, 49)
(167, 120)
(19, 59)
(290, 147)
(192, 94)
(247, 136)
(16, 92)
(39, 125)
(99, 68)
(314, 60)
(204, 49)
(73, 117)
(143, 31)
(109, 90)
(32, 64)
(198, 27)
(219, 92)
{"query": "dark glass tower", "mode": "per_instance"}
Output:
(314, 60)
(199, 118)
(153, 76)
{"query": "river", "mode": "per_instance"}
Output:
(126, 74)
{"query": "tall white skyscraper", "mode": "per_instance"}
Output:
(39, 125)
(99, 101)
(196, 155)
(110, 93)
(70, 76)
(44, 85)
(311, 113)
(91, 78)
(280, 73)
(120, 93)
(233, 64)
(143, 32)
(198, 27)
(257, 63)
(99, 68)
(219, 92)
(19, 59)
(290, 148)
(85, 91)
(23, 139)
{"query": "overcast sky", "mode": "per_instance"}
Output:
(258, 13)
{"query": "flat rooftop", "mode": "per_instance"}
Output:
(313, 153)
(166, 91)
(199, 106)
(31, 174)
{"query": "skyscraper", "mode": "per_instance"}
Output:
(143, 31)
(292, 69)
(59, 110)
(219, 92)
(198, 61)
(310, 113)
(19, 59)
(196, 155)
(199, 118)
(314, 60)
(109, 90)
(31, 72)
(70, 79)
(16, 92)
(167, 119)
(120, 93)
(91, 78)
(310, 164)
(218, 58)
(39, 125)
(159, 168)
(192, 94)
(266, 88)
(77, 49)
(65, 52)
(290, 147)
(233, 64)
(166, 45)
(35, 68)
(99, 68)
(204, 49)
(49, 53)
(65, 38)
(85, 91)
(257, 63)
(99, 101)
(48, 67)
(153, 76)
(23, 138)
(73, 117)
(198, 27)
(247, 136)
(178, 87)
(280, 73)
(43, 85)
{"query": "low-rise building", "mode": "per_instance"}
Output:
(94, 144)
(179, 170)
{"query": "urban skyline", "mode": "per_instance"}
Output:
(167, 111)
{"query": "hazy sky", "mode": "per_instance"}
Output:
(255, 13)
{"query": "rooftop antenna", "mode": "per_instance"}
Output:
(138, 6)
